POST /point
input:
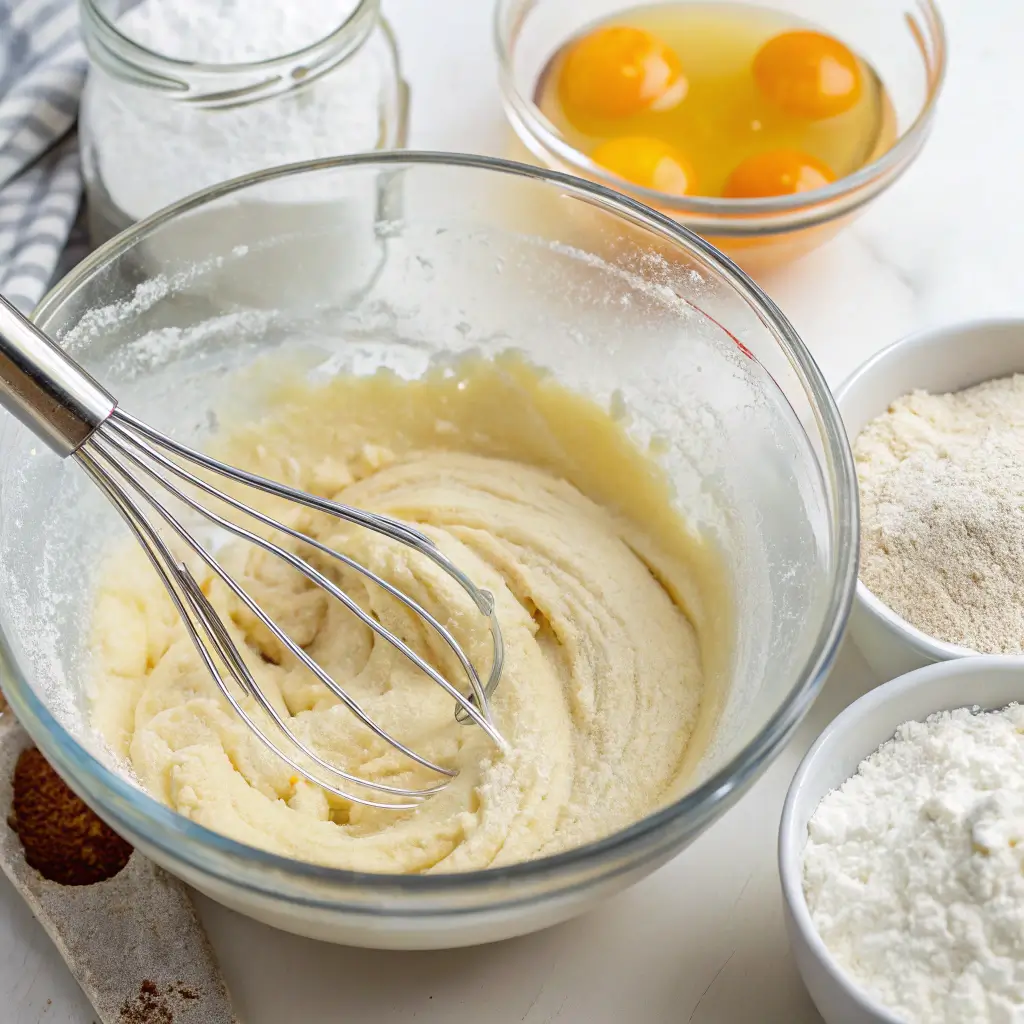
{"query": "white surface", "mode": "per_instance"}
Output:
(703, 940)
(992, 683)
(940, 359)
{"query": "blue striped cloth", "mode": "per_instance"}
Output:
(42, 69)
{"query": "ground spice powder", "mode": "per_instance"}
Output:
(63, 839)
(151, 1006)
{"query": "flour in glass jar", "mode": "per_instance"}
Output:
(153, 146)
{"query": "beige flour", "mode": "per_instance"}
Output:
(942, 506)
(607, 603)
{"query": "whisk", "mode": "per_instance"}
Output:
(127, 459)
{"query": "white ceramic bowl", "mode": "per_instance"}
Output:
(941, 360)
(990, 682)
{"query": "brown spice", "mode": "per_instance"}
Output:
(148, 1007)
(63, 840)
(151, 1006)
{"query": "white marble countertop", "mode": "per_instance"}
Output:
(702, 940)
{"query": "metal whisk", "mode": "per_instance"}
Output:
(60, 403)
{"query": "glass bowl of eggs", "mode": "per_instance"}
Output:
(763, 126)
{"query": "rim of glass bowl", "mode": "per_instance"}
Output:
(270, 875)
(731, 217)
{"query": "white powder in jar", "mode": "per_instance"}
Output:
(914, 870)
(150, 147)
(231, 31)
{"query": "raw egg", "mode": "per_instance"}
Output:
(808, 74)
(724, 100)
(780, 172)
(620, 71)
(648, 162)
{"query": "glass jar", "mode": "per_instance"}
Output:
(155, 128)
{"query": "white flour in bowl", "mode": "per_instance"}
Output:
(914, 870)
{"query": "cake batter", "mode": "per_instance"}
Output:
(608, 605)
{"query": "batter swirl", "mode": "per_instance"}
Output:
(607, 611)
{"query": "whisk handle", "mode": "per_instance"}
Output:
(46, 389)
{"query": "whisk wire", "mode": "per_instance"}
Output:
(232, 657)
(76, 417)
(346, 698)
(482, 707)
(383, 525)
(198, 606)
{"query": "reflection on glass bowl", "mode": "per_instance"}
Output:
(399, 260)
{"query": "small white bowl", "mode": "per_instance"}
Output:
(942, 360)
(990, 682)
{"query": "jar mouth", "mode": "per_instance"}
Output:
(347, 36)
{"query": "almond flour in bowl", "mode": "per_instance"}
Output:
(942, 513)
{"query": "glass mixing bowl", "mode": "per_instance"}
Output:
(399, 260)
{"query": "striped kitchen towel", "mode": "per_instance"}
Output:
(42, 69)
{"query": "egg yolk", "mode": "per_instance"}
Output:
(782, 172)
(808, 74)
(647, 162)
(620, 71)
